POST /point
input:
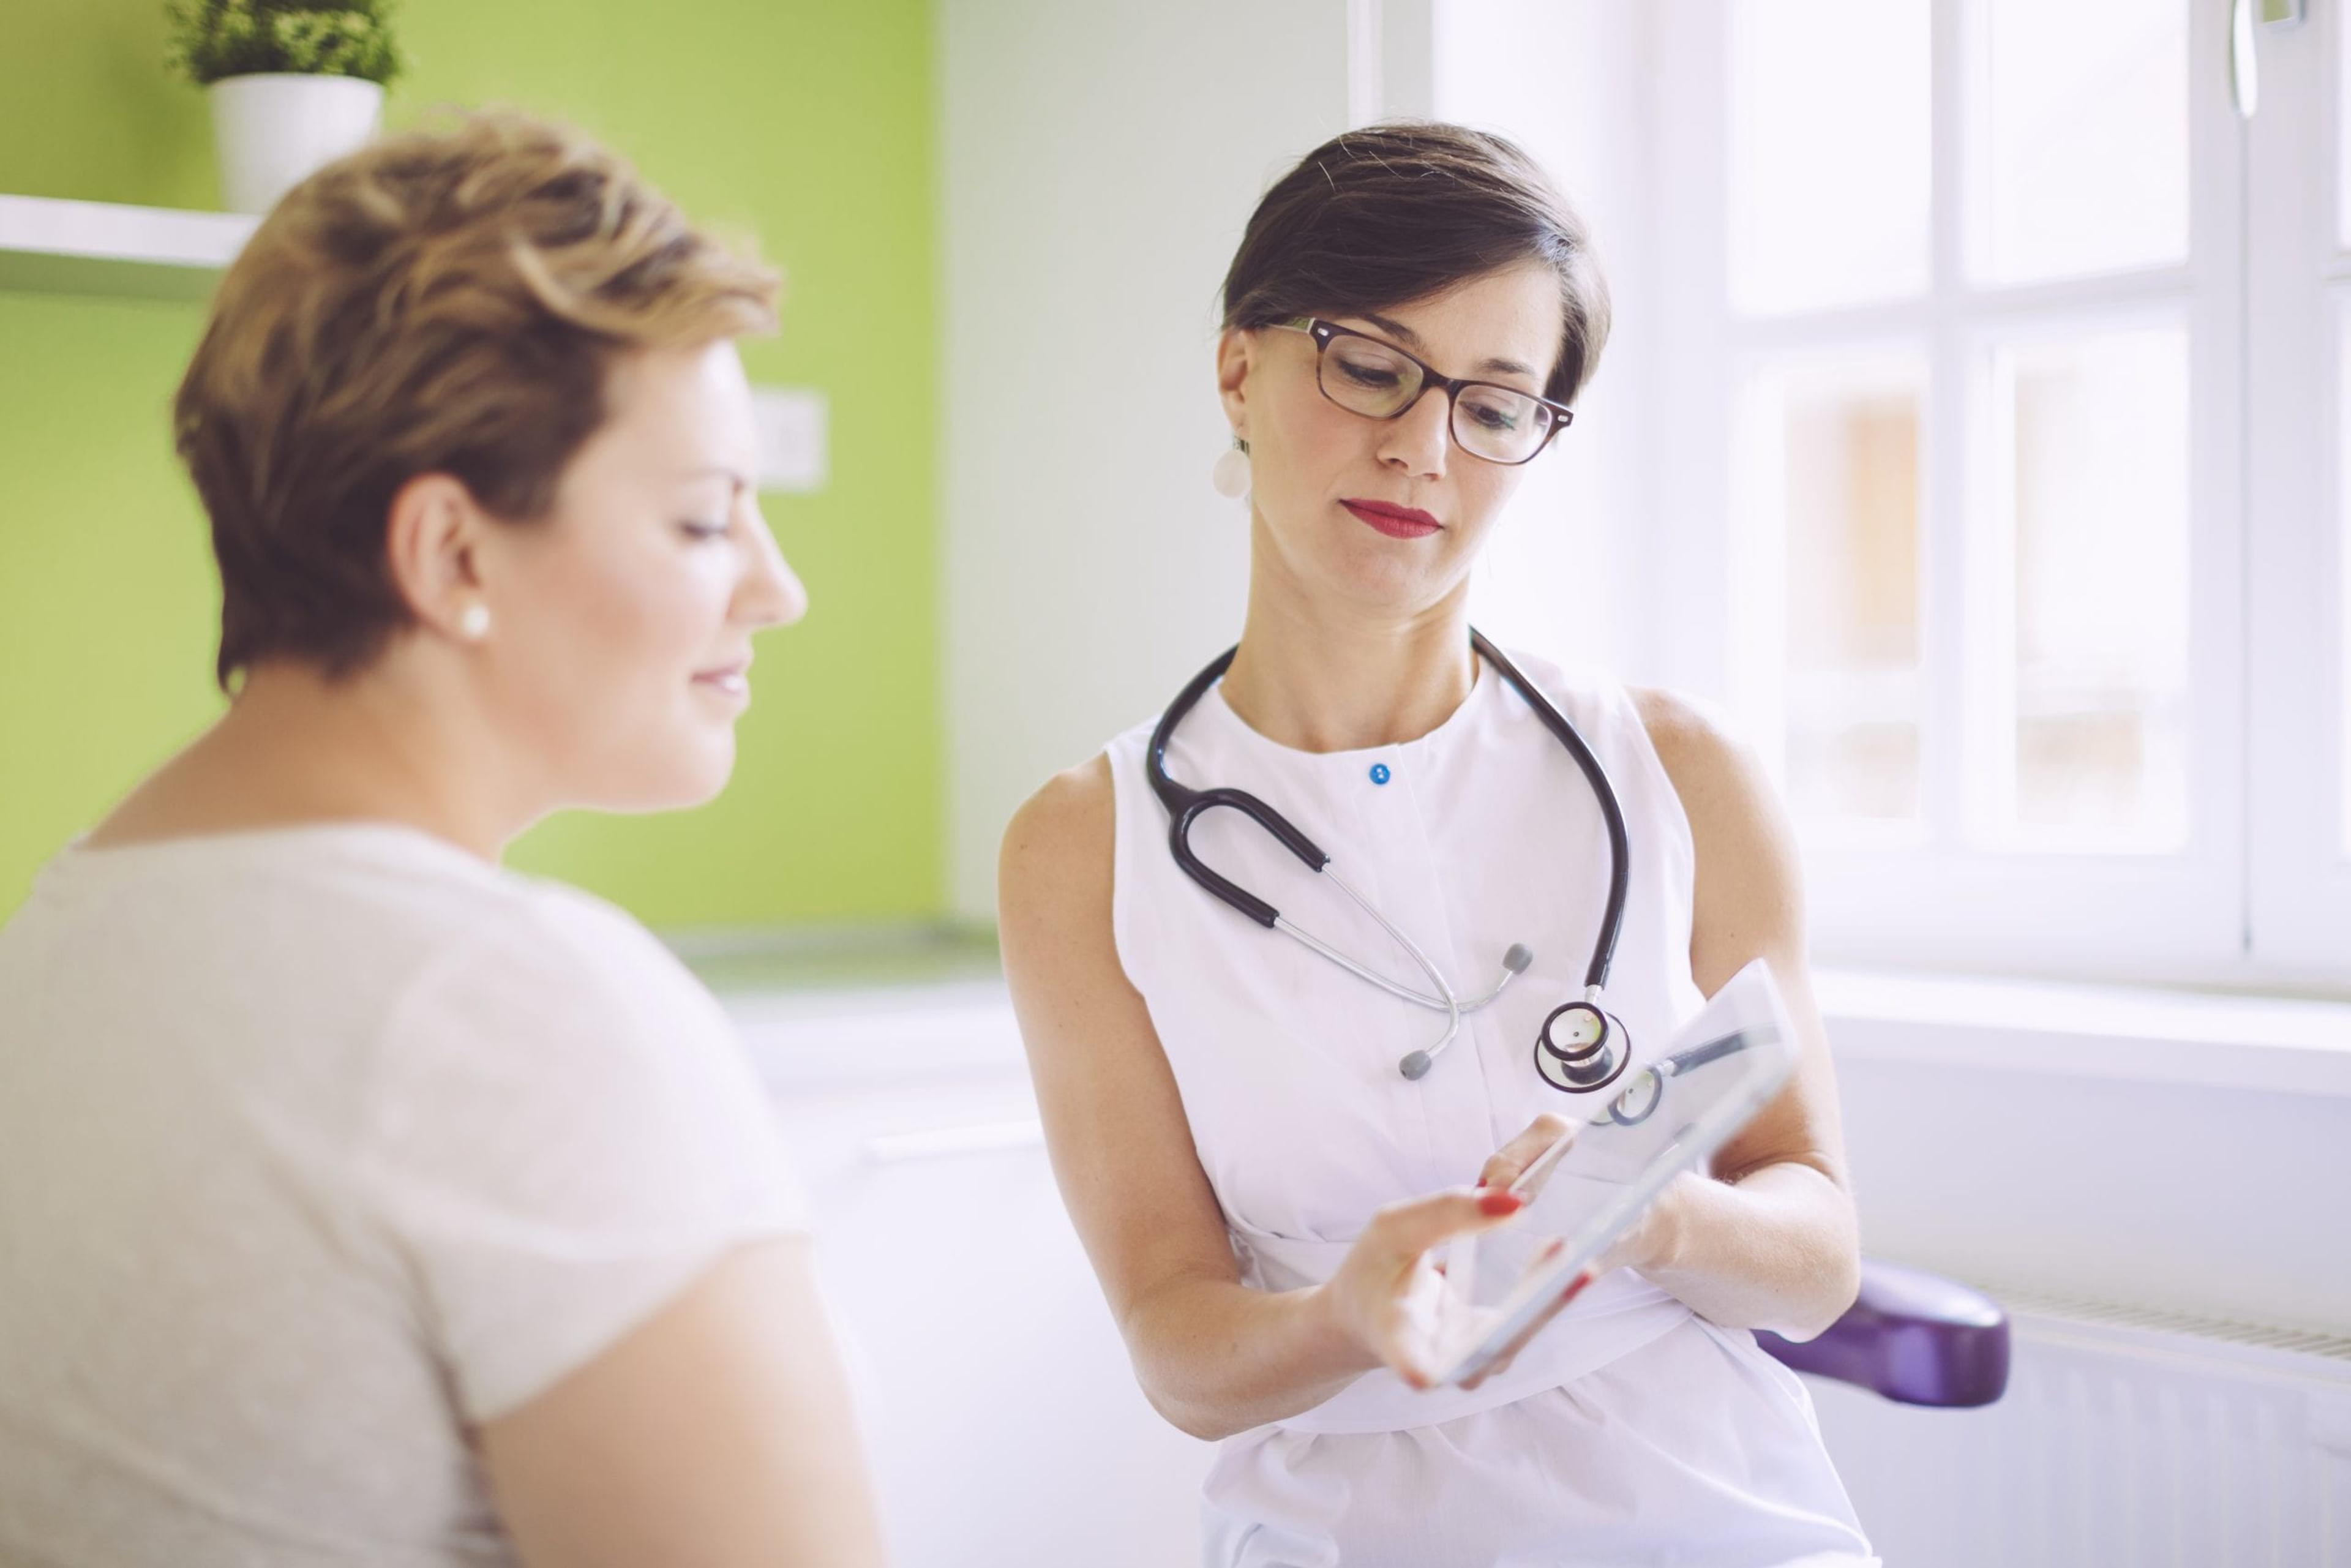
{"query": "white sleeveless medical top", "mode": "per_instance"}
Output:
(1484, 833)
(1478, 834)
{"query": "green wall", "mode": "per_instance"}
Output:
(802, 122)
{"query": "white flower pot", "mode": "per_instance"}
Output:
(272, 129)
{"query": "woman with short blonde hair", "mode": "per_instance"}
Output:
(359, 1200)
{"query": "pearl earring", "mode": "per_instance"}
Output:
(1231, 473)
(474, 623)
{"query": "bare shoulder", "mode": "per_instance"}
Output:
(1709, 765)
(1054, 877)
(1060, 842)
(1749, 888)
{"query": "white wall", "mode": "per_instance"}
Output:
(1569, 80)
(2218, 1202)
(1098, 160)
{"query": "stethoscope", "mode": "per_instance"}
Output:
(1579, 1049)
(1646, 1090)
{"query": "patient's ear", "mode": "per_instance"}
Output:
(431, 532)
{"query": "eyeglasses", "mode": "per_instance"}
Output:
(1379, 380)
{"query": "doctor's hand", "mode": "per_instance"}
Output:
(1502, 1168)
(1506, 1163)
(1384, 1297)
(1648, 1245)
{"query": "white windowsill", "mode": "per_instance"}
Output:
(836, 1006)
(2150, 1036)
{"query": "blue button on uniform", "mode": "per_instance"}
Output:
(1380, 774)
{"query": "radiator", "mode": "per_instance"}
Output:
(2127, 1438)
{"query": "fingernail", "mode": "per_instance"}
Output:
(1500, 1203)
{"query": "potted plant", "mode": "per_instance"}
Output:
(294, 84)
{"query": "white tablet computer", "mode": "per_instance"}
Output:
(1669, 1116)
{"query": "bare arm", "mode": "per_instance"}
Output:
(1769, 1239)
(1213, 1356)
(716, 1434)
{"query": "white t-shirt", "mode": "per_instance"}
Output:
(318, 1146)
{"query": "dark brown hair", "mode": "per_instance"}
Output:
(437, 302)
(1395, 213)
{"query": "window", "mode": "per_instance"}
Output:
(1976, 424)
(2297, 415)
(1828, 447)
(1997, 357)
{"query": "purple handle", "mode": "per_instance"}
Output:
(1913, 1337)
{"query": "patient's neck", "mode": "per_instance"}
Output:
(296, 749)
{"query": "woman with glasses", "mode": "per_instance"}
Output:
(1260, 1150)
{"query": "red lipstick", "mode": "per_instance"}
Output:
(1397, 522)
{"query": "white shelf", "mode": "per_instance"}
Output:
(99, 247)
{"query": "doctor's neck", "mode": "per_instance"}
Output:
(1316, 676)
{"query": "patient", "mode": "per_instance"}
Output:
(359, 1200)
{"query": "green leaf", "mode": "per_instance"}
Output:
(211, 39)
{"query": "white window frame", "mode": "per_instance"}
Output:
(2261, 894)
(2298, 332)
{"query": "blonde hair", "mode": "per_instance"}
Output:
(442, 301)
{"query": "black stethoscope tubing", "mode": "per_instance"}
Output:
(1603, 1058)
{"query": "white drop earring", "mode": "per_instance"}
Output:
(474, 622)
(1231, 473)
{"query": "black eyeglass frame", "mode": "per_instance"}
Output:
(1323, 332)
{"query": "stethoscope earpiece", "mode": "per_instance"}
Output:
(1416, 1064)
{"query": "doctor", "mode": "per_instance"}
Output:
(1408, 320)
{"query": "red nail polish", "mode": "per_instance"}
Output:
(1501, 1202)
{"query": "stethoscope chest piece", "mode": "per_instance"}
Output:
(1581, 1049)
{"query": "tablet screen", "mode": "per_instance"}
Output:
(1664, 1117)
